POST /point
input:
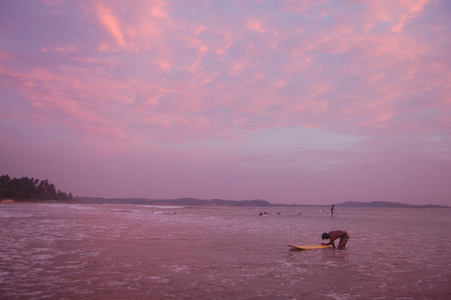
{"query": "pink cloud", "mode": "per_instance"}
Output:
(256, 26)
(111, 24)
(158, 9)
(63, 50)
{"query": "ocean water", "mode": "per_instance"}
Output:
(71, 251)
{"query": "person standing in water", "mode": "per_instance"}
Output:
(332, 209)
(333, 235)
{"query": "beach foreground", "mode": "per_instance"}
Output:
(63, 251)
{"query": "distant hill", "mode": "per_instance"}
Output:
(386, 204)
(181, 201)
(246, 203)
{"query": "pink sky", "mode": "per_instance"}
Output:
(309, 102)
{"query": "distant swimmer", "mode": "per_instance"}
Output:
(333, 235)
(332, 209)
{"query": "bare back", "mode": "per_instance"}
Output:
(336, 235)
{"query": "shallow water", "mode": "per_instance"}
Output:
(59, 251)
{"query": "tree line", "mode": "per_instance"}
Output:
(21, 189)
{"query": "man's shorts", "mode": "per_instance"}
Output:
(343, 240)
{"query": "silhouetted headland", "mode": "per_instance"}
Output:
(30, 189)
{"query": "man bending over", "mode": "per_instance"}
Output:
(333, 235)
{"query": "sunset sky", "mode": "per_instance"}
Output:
(308, 102)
